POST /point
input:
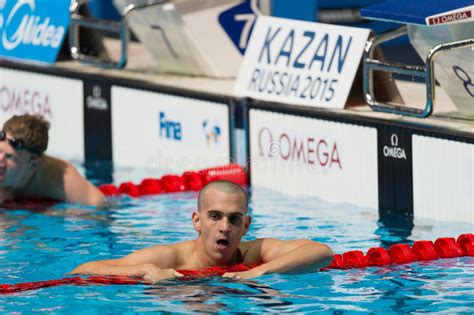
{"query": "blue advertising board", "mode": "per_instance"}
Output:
(33, 29)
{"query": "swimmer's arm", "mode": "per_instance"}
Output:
(295, 256)
(289, 257)
(155, 261)
(77, 189)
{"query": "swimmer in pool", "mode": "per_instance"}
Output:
(27, 173)
(221, 221)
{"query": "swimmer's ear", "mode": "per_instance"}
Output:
(196, 221)
(248, 220)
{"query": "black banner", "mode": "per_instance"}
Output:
(395, 171)
(98, 130)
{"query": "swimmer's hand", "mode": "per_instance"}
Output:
(152, 274)
(252, 273)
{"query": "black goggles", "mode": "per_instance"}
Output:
(16, 144)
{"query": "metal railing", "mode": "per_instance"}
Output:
(427, 72)
(121, 28)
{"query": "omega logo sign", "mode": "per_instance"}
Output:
(307, 150)
(448, 18)
(25, 101)
(394, 151)
(96, 101)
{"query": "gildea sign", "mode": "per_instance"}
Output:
(33, 29)
(300, 63)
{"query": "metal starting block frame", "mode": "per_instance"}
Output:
(121, 28)
(427, 72)
(419, 14)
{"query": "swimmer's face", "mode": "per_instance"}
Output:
(15, 165)
(221, 222)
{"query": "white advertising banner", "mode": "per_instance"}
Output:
(167, 133)
(334, 161)
(443, 179)
(59, 100)
(301, 63)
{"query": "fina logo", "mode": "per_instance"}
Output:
(394, 151)
(212, 131)
(31, 30)
(170, 129)
(96, 101)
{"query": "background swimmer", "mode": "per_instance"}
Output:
(27, 173)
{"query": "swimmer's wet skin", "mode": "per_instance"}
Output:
(221, 221)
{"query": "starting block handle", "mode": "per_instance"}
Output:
(427, 72)
(77, 21)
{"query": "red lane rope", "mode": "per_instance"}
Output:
(117, 280)
(188, 181)
(444, 247)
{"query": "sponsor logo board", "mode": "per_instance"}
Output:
(33, 29)
(395, 171)
(455, 16)
(96, 100)
(212, 131)
(443, 179)
(97, 121)
(300, 63)
(304, 156)
(58, 100)
(167, 133)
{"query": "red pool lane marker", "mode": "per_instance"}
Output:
(188, 181)
(397, 254)
(188, 275)
(443, 247)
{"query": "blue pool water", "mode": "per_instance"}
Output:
(46, 244)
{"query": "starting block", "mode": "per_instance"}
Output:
(184, 36)
(442, 33)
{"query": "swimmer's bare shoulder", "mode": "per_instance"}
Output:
(60, 180)
(252, 251)
(185, 254)
(47, 180)
(175, 256)
(162, 256)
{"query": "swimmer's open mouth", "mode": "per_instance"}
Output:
(223, 242)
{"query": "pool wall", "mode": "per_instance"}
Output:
(396, 167)
(405, 167)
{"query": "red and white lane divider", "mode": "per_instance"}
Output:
(444, 247)
(188, 181)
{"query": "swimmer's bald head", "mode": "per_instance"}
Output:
(225, 187)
